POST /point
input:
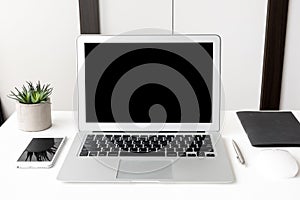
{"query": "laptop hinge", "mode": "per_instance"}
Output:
(148, 131)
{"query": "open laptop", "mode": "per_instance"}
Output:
(148, 111)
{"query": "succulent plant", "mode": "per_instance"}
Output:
(32, 94)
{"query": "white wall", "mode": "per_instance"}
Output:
(121, 16)
(290, 91)
(241, 25)
(37, 42)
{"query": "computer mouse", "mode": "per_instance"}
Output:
(276, 163)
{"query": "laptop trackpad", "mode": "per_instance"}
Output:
(145, 169)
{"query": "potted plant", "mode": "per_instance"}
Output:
(33, 106)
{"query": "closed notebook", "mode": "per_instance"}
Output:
(271, 129)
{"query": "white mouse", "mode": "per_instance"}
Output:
(276, 163)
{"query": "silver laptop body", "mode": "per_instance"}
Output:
(140, 123)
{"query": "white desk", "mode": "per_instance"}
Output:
(42, 184)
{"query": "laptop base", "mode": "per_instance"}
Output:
(146, 169)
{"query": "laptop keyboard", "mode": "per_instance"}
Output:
(147, 146)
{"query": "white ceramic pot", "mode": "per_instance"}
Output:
(34, 117)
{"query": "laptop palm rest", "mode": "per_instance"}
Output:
(144, 169)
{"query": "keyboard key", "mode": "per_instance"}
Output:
(92, 147)
(105, 149)
(170, 149)
(133, 149)
(110, 144)
(93, 153)
(99, 137)
(189, 150)
(200, 142)
(154, 140)
(149, 154)
(83, 148)
(89, 141)
(179, 149)
(143, 138)
(206, 149)
(193, 142)
(101, 142)
(146, 142)
(134, 137)
(210, 155)
(83, 153)
(197, 138)
(91, 137)
(207, 140)
(153, 149)
(124, 149)
(201, 154)
(113, 153)
(170, 136)
(191, 154)
(153, 137)
(172, 154)
(181, 154)
(161, 137)
(102, 154)
(196, 149)
(142, 149)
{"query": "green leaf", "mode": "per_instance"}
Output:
(32, 94)
(28, 95)
(34, 98)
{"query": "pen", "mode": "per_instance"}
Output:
(238, 152)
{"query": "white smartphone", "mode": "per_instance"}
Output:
(40, 153)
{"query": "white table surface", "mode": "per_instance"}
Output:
(42, 184)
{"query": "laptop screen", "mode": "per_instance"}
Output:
(149, 82)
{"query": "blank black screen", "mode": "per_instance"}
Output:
(149, 82)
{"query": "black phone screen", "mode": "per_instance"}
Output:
(40, 150)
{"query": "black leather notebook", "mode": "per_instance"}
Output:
(271, 129)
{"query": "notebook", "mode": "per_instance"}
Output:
(271, 129)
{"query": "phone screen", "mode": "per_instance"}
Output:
(40, 150)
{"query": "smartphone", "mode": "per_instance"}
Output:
(40, 153)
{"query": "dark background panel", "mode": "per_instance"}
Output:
(274, 54)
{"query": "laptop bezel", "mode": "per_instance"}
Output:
(214, 126)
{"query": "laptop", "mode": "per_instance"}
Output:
(148, 111)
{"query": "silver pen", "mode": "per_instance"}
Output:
(238, 152)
